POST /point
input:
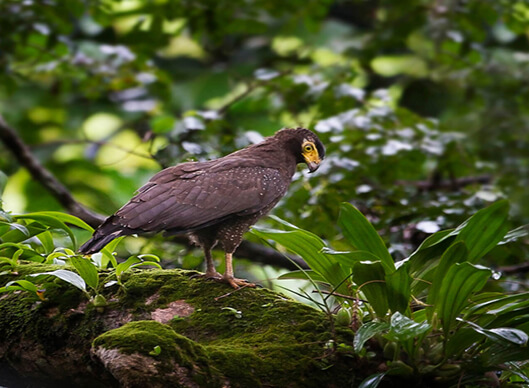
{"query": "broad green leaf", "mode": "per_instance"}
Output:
(499, 304)
(150, 263)
(460, 341)
(501, 334)
(87, 270)
(47, 241)
(64, 217)
(67, 276)
(498, 354)
(460, 282)
(372, 381)
(456, 253)
(362, 235)
(7, 260)
(309, 247)
(53, 258)
(150, 257)
(402, 328)
(370, 279)
(350, 258)
(20, 233)
(24, 284)
(132, 262)
(398, 285)
(49, 220)
(515, 234)
(366, 331)
(431, 248)
(108, 253)
(484, 230)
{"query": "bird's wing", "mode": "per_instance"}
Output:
(193, 195)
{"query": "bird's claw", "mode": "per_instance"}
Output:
(237, 283)
(210, 276)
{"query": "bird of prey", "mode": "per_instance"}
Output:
(215, 201)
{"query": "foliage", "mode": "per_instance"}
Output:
(423, 108)
(433, 314)
(37, 237)
(408, 98)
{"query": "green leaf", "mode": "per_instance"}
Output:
(460, 282)
(484, 230)
(132, 262)
(372, 381)
(309, 247)
(370, 279)
(349, 258)
(498, 354)
(67, 276)
(501, 334)
(456, 253)
(362, 235)
(66, 218)
(499, 304)
(23, 284)
(367, 331)
(515, 234)
(87, 270)
(49, 220)
(402, 328)
(108, 251)
(47, 241)
(398, 285)
(430, 249)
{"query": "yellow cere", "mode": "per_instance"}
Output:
(310, 152)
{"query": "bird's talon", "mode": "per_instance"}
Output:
(213, 276)
(209, 276)
(238, 283)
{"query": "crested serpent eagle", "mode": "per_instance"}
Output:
(215, 201)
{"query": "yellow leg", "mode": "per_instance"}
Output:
(228, 275)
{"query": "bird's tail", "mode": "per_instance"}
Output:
(102, 236)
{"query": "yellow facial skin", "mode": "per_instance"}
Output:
(311, 155)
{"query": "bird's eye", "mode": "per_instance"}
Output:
(308, 148)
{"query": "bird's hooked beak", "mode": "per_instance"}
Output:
(313, 166)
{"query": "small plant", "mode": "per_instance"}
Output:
(37, 237)
(425, 317)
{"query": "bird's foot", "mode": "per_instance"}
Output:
(237, 283)
(213, 275)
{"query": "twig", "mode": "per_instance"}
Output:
(341, 295)
(250, 87)
(24, 156)
(98, 143)
(431, 185)
(514, 269)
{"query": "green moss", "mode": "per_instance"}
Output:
(143, 336)
(275, 342)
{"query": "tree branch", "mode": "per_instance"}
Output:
(24, 156)
(454, 184)
(22, 153)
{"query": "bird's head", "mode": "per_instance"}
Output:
(305, 145)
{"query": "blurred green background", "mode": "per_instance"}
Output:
(423, 105)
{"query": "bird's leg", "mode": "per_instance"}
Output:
(228, 275)
(211, 272)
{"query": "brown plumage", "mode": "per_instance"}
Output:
(215, 201)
